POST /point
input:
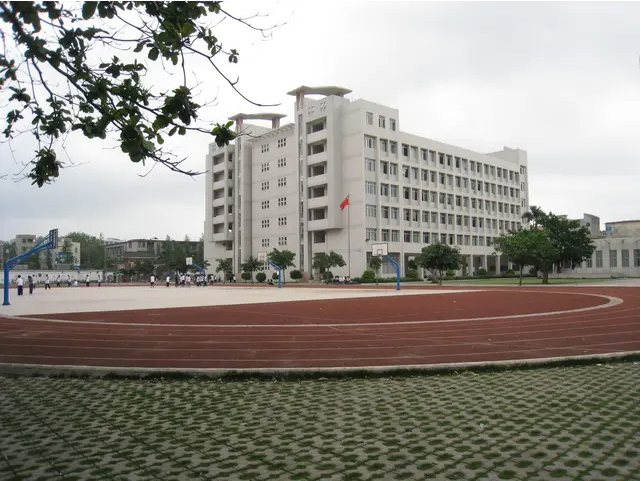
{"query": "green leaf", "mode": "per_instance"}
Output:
(139, 47)
(153, 53)
(88, 9)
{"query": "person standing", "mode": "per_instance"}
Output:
(87, 280)
(47, 282)
(99, 280)
(68, 280)
(168, 280)
(58, 281)
(20, 284)
(152, 279)
(31, 284)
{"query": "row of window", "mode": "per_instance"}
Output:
(391, 190)
(282, 241)
(391, 212)
(264, 167)
(280, 144)
(416, 237)
(442, 219)
(444, 160)
(614, 258)
(282, 202)
(282, 221)
(282, 182)
(391, 169)
(369, 120)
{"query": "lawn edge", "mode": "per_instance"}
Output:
(13, 370)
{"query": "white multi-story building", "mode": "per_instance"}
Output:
(282, 187)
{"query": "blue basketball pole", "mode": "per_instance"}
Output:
(279, 270)
(202, 272)
(49, 242)
(398, 272)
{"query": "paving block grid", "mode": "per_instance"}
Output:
(561, 423)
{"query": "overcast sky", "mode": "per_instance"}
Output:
(559, 80)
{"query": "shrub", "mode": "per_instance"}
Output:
(295, 275)
(509, 273)
(412, 274)
(260, 277)
(246, 276)
(275, 276)
(534, 271)
(368, 276)
(450, 274)
(481, 272)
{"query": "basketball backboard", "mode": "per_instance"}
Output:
(379, 250)
(189, 261)
(262, 256)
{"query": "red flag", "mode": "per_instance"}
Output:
(345, 203)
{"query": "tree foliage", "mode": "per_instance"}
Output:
(562, 242)
(55, 70)
(283, 259)
(250, 266)
(324, 261)
(66, 252)
(440, 258)
(526, 247)
(226, 266)
(92, 250)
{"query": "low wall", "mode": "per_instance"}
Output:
(39, 274)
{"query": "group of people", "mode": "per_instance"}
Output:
(183, 280)
(32, 282)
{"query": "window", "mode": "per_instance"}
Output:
(264, 204)
(383, 145)
(370, 187)
(264, 242)
(393, 169)
(636, 257)
(414, 173)
(442, 219)
(385, 235)
(264, 185)
(393, 147)
(426, 237)
(415, 215)
(264, 223)
(424, 196)
(282, 221)
(282, 241)
(385, 189)
(393, 190)
(264, 148)
(406, 150)
(625, 258)
(282, 201)
(370, 210)
(407, 236)
(406, 193)
(406, 214)
(384, 168)
(424, 175)
(282, 162)
(282, 182)
(370, 234)
(414, 194)
(370, 142)
(588, 263)
(396, 236)
(416, 237)
(381, 121)
(264, 167)
(392, 124)
(370, 165)
(369, 118)
(406, 172)
(613, 258)
(424, 155)
(384, 212)
(394, 213)
(599, 259)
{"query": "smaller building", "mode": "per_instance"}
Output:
(617, 249)
(24, 242)
(58, 254)
(125, 254)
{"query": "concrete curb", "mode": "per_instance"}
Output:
(15, 369)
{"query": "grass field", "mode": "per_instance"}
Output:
(530, 280)
(574, 423)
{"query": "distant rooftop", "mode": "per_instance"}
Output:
(263, 116)
(323, 90)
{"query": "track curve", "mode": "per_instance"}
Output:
(495, 324)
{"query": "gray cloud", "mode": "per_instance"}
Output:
(560, 80)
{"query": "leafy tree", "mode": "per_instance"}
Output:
(375, 264)
(251, 265)
(66, 252)
(325, 261)
(92, 249)
(144, 268)
(283, 259)
(565, 243)
(59, 82)
(520, 247)
(225, 266)
(439, 257)
(246, 276)
(48, 259)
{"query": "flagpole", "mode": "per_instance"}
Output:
(349, 239)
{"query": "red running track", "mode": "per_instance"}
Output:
(381, 331)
